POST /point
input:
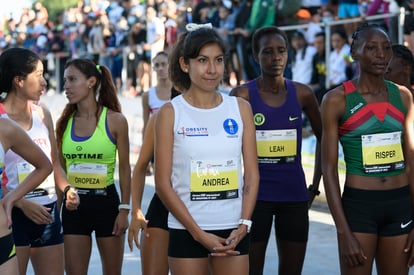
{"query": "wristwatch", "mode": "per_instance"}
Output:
(312, 189)
(247, 223)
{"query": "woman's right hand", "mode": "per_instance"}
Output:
(217, 245)
(36, 212)
(138, 222)
(72, 199)
(350, 250)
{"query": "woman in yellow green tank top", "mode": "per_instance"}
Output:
(373, 120)
(91, 133)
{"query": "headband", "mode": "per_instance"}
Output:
(193, 27)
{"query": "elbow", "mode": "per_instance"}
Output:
(48, 167)
(159, 190)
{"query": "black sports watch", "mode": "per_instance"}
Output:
(312, 189)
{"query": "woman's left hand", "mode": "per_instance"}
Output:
(121, 223)
(138, 222)
(228, 249)
(409, 248)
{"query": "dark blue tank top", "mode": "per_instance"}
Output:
(279, 145)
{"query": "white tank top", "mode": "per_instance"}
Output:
(154, 102)
(206, 168)
(16, 169)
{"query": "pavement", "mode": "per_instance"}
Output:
(321, 256)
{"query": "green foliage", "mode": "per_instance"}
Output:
(54, 7)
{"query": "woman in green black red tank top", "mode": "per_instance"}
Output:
(373, 120)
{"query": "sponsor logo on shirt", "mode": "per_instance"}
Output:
(230, 126)
(193, 131)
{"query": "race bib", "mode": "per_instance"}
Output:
(214, 180)
(382, 152)
(88, 175)
(276, 146)
(47, 187)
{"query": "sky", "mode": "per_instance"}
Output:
(14, 7)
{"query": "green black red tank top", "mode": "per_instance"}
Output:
(371, 133)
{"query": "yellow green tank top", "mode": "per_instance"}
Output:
(90, 161)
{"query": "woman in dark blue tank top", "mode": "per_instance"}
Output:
(277, 105)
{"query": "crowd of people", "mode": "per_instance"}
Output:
(227, 161)
(125, 35)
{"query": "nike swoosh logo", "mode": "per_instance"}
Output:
(404, 225)
(293, 118)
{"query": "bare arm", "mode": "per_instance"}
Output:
(36, 212)
(311, 109)
(138, 182)
(61, 181)
(251, 168)
(15, 138)
(145, 110)
(119, 125)
(333, 108)
(330, 139)
(408, 148)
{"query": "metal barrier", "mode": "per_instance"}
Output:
(327, 26)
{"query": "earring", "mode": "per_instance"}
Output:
(186, 70)
(89, 87)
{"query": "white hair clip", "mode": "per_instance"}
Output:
(193, 26)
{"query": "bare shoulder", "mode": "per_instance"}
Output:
(10, 133)
(405, 93)
(243, 103)
(115, 118)
(302, 88)
(241, 91)
(165, 110)
(165, 117)
(334, 98)
(7, 127)
(305, 95)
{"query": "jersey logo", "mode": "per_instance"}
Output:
(230, 126)
(404, 225)
(193, 131)
(259, 119)
(293, 118)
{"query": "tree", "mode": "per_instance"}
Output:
(54, 7)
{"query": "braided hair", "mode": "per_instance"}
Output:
(357, 34)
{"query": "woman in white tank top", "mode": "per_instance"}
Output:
(201, 140)
(12, 137)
